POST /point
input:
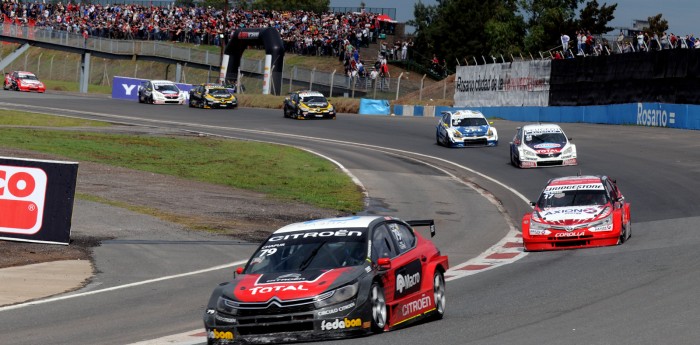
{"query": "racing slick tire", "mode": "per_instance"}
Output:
(285, 112)
(141, 99)
(191, 103)
(446, 141)
(299, 115)
(439, 295)
(149, 100)
(512, 160)
(626, 233)
(378, 305)
(4, 86)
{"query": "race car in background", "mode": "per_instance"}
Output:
(577, 212)
(541, 145)
(212, 96)
(160, 92)
(464, 128)
(331, 278)
(302, 105)
(23, 81)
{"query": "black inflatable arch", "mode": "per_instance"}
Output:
(271, 39)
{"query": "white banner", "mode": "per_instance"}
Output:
(523, 83)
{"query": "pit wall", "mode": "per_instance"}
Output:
(683, 116)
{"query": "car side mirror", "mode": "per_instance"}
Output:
(384, 264)
(238, 271)
(570, 139)
(533, 203)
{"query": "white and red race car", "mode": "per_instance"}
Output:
(23, 81)
(541, 145)
(576, 212)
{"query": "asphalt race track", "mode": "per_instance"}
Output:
(643, 292)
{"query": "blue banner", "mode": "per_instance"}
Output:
(128, 88)
(374, 107)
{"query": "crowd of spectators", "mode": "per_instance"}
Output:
(302, 32)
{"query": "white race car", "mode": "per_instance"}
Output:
(161, 92)
(540, 145)
(465, 128)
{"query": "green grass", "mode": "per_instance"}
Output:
(279, 171)
(23, 118)
(60, 85)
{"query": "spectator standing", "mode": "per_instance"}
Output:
(565, 41)
(85, 37)
(664, 41)
(404, 50)
(581, 39)
(640, 41)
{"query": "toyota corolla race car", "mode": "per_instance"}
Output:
(212, 96)
(23, 81)
(308, 105)
(160, 92)
(330, 278)
(576, 212)
(541, 145)
(465, 128)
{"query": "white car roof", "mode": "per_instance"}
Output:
(329, 223)
(543, 128)
(162, 82)
(310, 93)
(460, 114)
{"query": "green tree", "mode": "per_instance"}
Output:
(482, 28)
(595, 18)
(657, 25)
(317, 6)
(547, 20)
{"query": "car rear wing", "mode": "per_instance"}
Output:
(424, 222)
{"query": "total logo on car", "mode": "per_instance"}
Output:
(576, 212)
(465, 128)
(541, 145)
(331, 278)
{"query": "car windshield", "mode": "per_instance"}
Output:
(318, 249)
(543, 138)
(313, 99)
(166, 87)
(469, 121)
(580, 197)
(218, 92)
(28, 77)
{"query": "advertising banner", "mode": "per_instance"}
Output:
(523, 83)
(36, 200)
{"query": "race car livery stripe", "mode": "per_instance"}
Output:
(575, 181)
(415, 316)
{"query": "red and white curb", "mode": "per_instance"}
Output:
(506, 251)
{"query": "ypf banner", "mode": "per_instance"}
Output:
(36, 200)
(503, 84)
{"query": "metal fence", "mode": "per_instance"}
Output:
(252, 70)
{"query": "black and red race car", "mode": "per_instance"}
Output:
(23, 81)
(577, 212)
(331, 278)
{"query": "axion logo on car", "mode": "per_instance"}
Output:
(22, 198)
(570, 210)
(340, 324)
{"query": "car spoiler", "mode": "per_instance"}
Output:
(424, 222)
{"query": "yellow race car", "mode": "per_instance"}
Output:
(308, 105)
(212, 96)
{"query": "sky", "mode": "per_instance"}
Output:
(682, 15)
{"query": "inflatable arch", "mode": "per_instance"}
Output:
(274, 57)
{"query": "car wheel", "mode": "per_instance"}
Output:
(191, 103)
(446, 141)
(378, 304)
(626, 233)
(512, 159)
(141, 100)
(299, 115)
(4, 86)
(439, 294)
(286, 112)
(150, 100)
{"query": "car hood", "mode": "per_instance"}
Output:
(255, 288)
(31, 82)
(473, 130)
(571, 215)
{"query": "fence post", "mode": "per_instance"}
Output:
(398, 86)
(420, 94)
(330, 94)
(38, 65)
(51, 68)
(311, 79)
(444, 88)
(26, 55)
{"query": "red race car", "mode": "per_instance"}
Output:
(576, 212)
(23, 81)
(330, 278)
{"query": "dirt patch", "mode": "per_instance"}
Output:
(239, 214)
